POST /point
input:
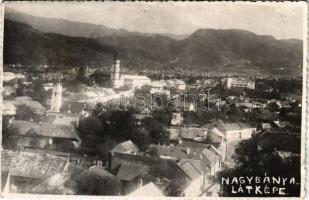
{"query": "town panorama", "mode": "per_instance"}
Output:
(92, 109)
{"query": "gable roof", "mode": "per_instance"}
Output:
(192, 144)
(24, 126)
(210, 157)
(56, 131)
(149, 189)
(191, 168)
(188, 132)
(125, 147)
(61, 119)
(32, 142)
(36, 166)
(230, 125)
(178, 152)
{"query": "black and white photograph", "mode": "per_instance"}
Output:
(154, 99)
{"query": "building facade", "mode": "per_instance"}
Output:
(239, 83)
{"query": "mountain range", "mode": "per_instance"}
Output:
(31, 40)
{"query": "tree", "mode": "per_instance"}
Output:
(153, 151)
(9, 135)
(24, 112)
(92, 184)
(39, 94)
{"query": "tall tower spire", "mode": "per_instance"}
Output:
(115, 72)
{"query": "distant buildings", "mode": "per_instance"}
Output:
(8, 76)
(239, 83)
(24, 100)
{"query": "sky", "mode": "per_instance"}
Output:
(282, 20)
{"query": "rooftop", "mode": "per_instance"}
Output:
(32, 165)
(24, 126)
(149, 189)
(125, 147)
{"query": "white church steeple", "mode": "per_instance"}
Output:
(115, 72)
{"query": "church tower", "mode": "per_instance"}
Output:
(115, 72)
(56, 99)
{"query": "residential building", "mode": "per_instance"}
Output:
(127, 147)
(22, 171)
(231, 130)
(239, 83)
(188, 133)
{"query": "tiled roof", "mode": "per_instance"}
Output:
(188, 132)
(190, 169)
(56, 131)
(65, 119)
(192, 144)
(24, 126)
(125, 147)
(178, 152)
(210, 157)
(32, 142)
(148, 161)
(231, 125)
(33, 165)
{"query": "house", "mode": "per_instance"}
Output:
(22, 126)
(127, 147)
(148, 190)
(135, 81)
(176, 152)
(8, 108)
(231, 130)
(64, 119)
(133, 170)
(188, 133)
(45, 135)
(56, 133)
(239, 83)
(21, 171)
(25, 143)
(176, 83)
(8, 76)
(35, 105)
(200, 171)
